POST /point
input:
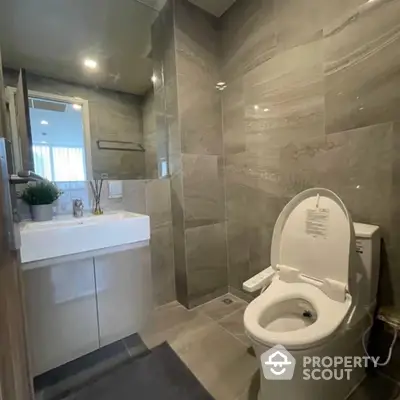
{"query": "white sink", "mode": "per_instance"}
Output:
(68, 235)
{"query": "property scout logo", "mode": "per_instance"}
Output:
(278, 364)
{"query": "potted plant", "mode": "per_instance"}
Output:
(40, 196)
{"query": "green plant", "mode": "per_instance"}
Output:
(40, 193)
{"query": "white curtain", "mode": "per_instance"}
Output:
(68, 164)
(42, 161)
(60, 164)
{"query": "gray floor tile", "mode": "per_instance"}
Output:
(233, 323)
(222, 306)
(251, 391)
(376, 387)
(165, 323)
(219, 360)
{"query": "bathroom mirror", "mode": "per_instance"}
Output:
(86, 85)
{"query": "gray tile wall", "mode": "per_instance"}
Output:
(153, 198)
(113, 116)
(187, 45)
(150, 135)
(312, 99)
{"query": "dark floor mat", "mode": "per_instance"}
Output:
(159, 375)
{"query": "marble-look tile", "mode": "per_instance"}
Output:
(357, 165)
(234, 118)
(222, 306)
(206, 261)
(150, 135)
(158, 202)
(197, 62)
(298, 22)
(162, 264)
(203, 189)
(362, 67)
(339, 9)
(177, 207)
(238, 239)
(284, 102)
(248, 34)
(134, 196)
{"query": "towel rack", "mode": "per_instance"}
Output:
(119, 145)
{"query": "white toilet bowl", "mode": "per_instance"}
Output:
(308, 308)
(294, 315)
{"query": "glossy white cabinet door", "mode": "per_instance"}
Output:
(61, 312)
(124, 293)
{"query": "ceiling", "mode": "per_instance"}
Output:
(215, 7)
(52, 38)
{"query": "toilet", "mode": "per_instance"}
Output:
(318, 296)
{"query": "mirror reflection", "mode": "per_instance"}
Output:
(86, 98)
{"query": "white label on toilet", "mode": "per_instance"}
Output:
(317, 222)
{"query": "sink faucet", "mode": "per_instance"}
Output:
(77, 208)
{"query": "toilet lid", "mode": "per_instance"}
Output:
(314, 234)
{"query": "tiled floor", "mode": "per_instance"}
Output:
(210, 339)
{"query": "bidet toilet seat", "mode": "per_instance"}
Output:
(314, 242)
(330, 315)
(313, 245)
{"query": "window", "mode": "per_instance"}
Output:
(60, 164)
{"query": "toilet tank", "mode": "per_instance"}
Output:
(368, 246)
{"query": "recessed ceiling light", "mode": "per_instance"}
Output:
(44, 122)
(266, 109)
(154, 78)
(89, 63)
(256, 107)
(76, 106)
(221, 83)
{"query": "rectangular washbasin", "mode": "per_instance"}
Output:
(68, 235)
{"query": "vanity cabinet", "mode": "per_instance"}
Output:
(124, 296)
(77, 305)
(61, 313)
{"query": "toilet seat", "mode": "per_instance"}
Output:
(330, 315)
(314, 241)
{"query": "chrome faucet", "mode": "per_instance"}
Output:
(77, 208)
